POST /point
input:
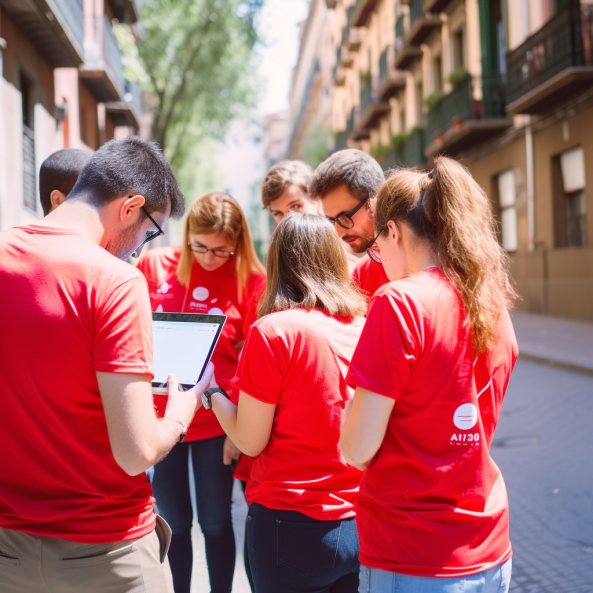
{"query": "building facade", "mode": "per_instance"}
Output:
(61, 85)
(506, 86)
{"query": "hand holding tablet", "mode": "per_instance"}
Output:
(183, 346)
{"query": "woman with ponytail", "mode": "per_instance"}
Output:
(431, 370)
(214, 271)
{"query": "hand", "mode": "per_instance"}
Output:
(183, 405)
(229, 452)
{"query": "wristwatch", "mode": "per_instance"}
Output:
(207, 396)
(183, 431)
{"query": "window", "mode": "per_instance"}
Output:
(507, 199)
(576, 219)
(437, 73)
(570, 203)
(29, 175)
(458, 50)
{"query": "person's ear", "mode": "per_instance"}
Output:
(371, 206)
(56, 198)
(394, 231)
(131, 206)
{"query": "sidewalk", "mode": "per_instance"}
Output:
(558, 342)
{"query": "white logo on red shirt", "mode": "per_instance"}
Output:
(465, 416)
(163, 288)
(215, 311)
(159, 309)
(200, 293)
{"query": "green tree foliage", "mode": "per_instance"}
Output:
(195, 64)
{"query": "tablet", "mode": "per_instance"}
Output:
(183, 344)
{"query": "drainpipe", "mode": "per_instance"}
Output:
(530, 184)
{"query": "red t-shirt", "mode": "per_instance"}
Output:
(369, 276)
(209, 292)
(297, 360)
(245, 463)
(432, 502)
(68, 309)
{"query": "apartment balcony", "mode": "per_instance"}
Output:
(553, 64)
(126, 11)
(412, 150)
(469, 115)
(128, 111)
(355, 38)
(103, 70)
(362, 12)
(391, 159)
(436, 6)
(390, 79)
(56, 27)
(422, 24)
(405, 52)
(330, 3)
(358, 131)
(372, 109)
(342, 137)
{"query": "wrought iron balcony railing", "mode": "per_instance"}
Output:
(476, 98)
(564, 42)
(412, 150)
(113, 55)
(72, 12)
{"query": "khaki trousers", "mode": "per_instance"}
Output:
(33, 564)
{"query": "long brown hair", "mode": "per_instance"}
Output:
(218, 212)
(450, 211)
(307, 268)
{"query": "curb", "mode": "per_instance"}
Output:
(575, 368)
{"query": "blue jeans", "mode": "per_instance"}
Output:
(292, 553)
(494, 580)
(214, 488)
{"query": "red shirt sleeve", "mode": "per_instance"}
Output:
(387, 346)
(262, 367)
(123, 337)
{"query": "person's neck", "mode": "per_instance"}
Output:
(79, 217)
(421, 260)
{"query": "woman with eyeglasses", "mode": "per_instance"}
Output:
(431, 370)
(214, 271)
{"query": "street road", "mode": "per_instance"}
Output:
(544, 447)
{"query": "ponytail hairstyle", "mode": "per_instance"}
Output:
(448, 210)
(307, 269)
(218, 212)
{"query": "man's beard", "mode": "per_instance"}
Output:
(124, 244)
(363, 243)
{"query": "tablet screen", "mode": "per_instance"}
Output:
(183, 345)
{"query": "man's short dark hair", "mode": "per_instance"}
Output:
(129, 166)
(355, 169)
(60, 171)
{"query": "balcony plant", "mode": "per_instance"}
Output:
(365, 78)
(458, 77)
(397, 141)
(433, 100)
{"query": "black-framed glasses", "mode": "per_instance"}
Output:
(151, 234)
(345, 220)
(373, 251)
(199, 248)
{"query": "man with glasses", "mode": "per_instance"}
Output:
(75, 383)
(347, 183)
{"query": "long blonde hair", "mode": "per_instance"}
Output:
(307, 269)
(218, 212)
(450, 211)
